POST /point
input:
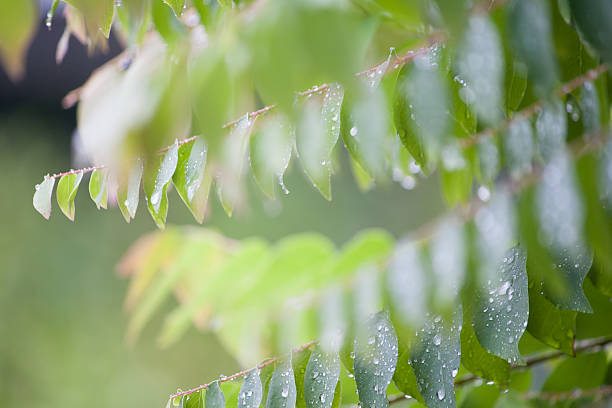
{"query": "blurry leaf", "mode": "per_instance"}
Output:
(435, 353)
(265, 376)
(337, 402)
(589, 105)
(214, 396)
(584, 372)
(166, 21)
(519, 147)
(176, 5)
(475, 357)
(299, 363)
(195, 400)
(233, 154)
(157, 176)
(592, 19)
(98, 14)
(18, 22)
(251, 390)
(483, 396)
(554, 327)
(282, 391)
(456, 175)
(422, 107)
(364, 181)
(270, 152)
(551, 129)
(66, 193)
(501, 313)
(231, 391)
(190, 179)
(42, 196)
(488, 160)
(98, 190)
(448, 261)
(531, 35)
(480, 63)
(375, 360)
(404, 377)
(321, 379)
(128, 193)
(516, 84)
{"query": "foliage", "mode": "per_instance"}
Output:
(507, 100)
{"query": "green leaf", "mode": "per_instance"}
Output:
(502, 309)
(516, 85)
(435, 354)
(98, 190)
(214, 397)
(476, 358)
(190, 179)
(421, 107)
(321, 379)
(176, 5)
(592, 19)
(282, 392)
(270, 153)
(128, 192)
(584, 372)
(265, 376)
(448, 261)
(595, 324)
(251, 391)
(18, 22)
(300, 363)
(531, 35)
(375, 360)
(519, 147)
(404, 377)
(42, 196)
(66, 193)
(488, 160)
(554, 327)
(98, 14)
(456, 174)
(483, 396)
(157, 175)
(551, 129)
(195, 400)
(480, 63)
(589, 106)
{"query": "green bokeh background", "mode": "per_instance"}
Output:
(62, 323)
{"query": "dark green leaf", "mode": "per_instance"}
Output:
(592, 19)
(321, 378)
(66, 193)
(282, 391)
(551, 326)
(585, 371)
(251, 391)
(502, 309)
(375, 360)
(42, 196)
(300, 363)
(516, 84)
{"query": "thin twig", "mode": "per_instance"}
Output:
(578, 393)
(77, 171)
(241, 373)
(535, 107)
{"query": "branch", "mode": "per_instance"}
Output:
(578, 393)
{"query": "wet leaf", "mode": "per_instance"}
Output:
(519, 147)
(128, 193)
(584, 372)
(195, 400)
(488, 160)
(66, 193)
(251, 391)
(176, 5)
(502, 309)
(214, 397)
(480, 63)
(448, 258)
(589, 106)
(516, 85)
(190, 179)
(435, 354)
(42, 196)
(282, 392)
(375, 360)
(18, 22)
(300, 363)
(98, 190)
(554, 327)
(321, 379)
(551, 129)
(157, 175)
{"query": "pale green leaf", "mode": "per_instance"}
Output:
(128, 193)
(282, 391)
(98, 189)
(300, 363)
(519, 147)
(157, 176)
(42, 196)
(551, 129)
(18, 22)
(251, 391)
(191, 180)
(66, 193)
(321, 379)
(214, 397)
(176, 5)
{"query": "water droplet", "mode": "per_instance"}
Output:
(353, 131)
(440, 394)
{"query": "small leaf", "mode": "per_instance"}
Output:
(449, 258)
(42, 196)
(157, 176)
(191, 180)
(480, 63)
(270, 152)
(554, 327)
(531, 34)
(98, 190)
(195, 400)
(66, 193)
(128, 193)
(300, 363)
(488, 160)
(176, 5)
(519, 147)
(18, 22)
(321, 379)
(589, 105)
(404, 377)
(551, 129)
(435, 354)
(375, 360)
(251, 391)
(502, 309)
(586, 371)
(516, 85)
(214, 397)
(282, 392)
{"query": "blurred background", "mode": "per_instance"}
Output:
(62, 323)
